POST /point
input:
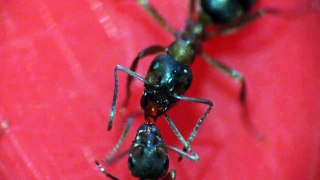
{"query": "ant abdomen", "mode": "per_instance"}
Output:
(222, 12)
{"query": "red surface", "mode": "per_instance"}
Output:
(56, 85)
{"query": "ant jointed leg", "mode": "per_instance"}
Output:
(169, 77)
(176, 97)
(148, 157)
(146, 52)
(103, 170)
(226, 21)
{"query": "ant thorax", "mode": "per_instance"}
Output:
(166, 77)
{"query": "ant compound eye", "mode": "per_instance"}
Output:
(137, 152)
(161, 152)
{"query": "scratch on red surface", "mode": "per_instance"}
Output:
(62, 44)
(24, 156)
(105, 20)
(51, 161)
(87, 153)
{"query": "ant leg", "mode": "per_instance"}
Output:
(234, 74)
(193, 156)
(197, 126)
(171, 175)
(115, 93)
(230, 28)
(124, 134)
(103, 170)
(177, 133)
(146, 52)
(200, 121)
(111, 156)
(155, 14)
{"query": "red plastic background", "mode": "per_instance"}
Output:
(56, 85)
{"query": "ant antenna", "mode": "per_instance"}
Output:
(102, 169)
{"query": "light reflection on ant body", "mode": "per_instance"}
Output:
(148, 157)
(169, 77)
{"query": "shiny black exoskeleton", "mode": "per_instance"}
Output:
(148, 158)
(169, 77)
(226, 11)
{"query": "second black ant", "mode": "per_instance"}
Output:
(148, 157)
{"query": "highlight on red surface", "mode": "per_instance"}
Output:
(56, 87)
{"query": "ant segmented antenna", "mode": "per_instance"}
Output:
(102, 169)
(148, 157)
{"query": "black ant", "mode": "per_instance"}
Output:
(169, 75)
(148, 157)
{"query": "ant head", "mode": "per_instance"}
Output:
(148, 157)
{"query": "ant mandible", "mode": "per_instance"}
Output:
(169, 75)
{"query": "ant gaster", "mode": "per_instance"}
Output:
(169, 75)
